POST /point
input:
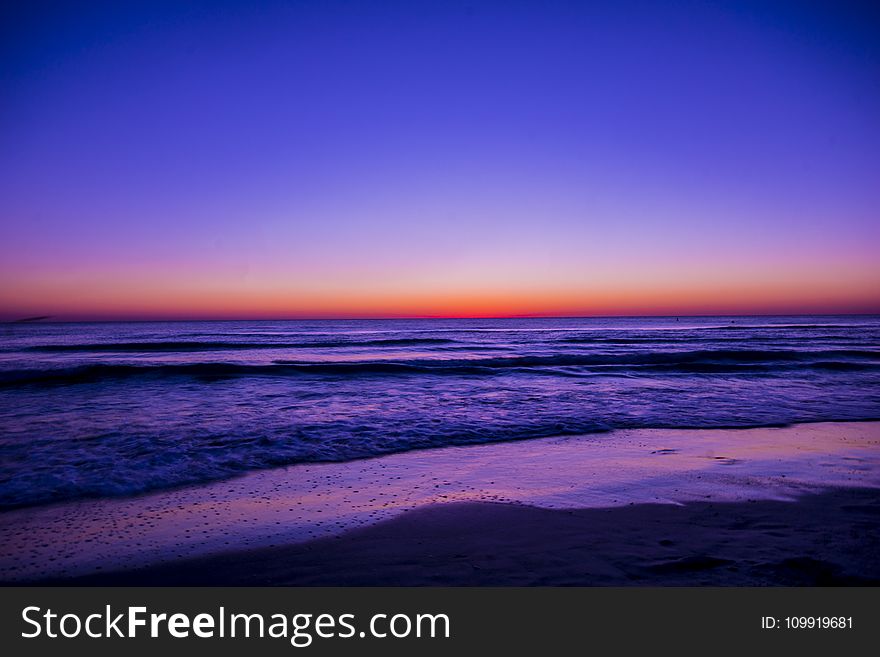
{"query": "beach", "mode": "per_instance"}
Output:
(540, 451)
(796, 505)
(440, 293)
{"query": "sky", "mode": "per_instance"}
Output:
(416, 158)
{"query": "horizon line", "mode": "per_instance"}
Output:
(49, 319)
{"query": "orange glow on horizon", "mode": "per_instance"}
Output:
(214, 303)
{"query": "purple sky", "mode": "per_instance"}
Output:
(392, 158)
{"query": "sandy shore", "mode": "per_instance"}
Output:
(825, 539)
(795, 505)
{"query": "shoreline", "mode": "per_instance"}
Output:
(279, 513)
(171, 489)
(826, 538)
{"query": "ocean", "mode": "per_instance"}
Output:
(121, 408)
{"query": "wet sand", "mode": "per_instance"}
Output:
(795, 505)
(823, 539)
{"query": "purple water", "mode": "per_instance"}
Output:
(105, 409)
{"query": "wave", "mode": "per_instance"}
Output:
(47, 479)
(719, 360)
(195, 345)
(685, 361)
(226, 456)
(773, 327)
(774, 339)
(217, 371)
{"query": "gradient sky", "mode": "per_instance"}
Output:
(311, 159)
